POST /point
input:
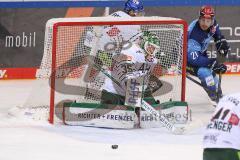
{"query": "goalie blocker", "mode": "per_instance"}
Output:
(121, 116)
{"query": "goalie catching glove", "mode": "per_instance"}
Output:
(222, 46)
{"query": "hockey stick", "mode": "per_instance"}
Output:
(198, 83)
(206, 89)
(220, 59)
(219, 86)
(145, 105)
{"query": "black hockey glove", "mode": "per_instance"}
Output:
(222, 46)
(219, 68)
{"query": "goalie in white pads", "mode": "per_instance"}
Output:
(222, 136)
(127, 82)
(133, 63)
(131, 71)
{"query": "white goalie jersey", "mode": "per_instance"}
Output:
(130, 64)
(223, 131)
(110, 38)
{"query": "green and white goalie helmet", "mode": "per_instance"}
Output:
(150, 43)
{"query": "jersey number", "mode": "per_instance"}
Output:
(127, 68)
(194, 55)
(220, 115)
(144, 68)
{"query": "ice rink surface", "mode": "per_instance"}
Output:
(24, 139)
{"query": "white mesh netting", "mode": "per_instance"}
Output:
(102, 38)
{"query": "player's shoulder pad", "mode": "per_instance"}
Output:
(119, 14)
(191, 26)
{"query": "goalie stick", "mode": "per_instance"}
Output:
(145, 105)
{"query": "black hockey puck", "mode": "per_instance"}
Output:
(114, 146)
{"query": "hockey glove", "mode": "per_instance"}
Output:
(219, 68)
(222, 46)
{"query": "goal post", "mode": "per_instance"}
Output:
(69, 41)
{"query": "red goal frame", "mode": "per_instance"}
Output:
(153, 22)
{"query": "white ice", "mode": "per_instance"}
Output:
(22, 139)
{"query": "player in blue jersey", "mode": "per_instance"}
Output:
(200, 32)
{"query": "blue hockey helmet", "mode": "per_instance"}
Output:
(134, 8)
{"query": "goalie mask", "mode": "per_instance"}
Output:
(150, 44)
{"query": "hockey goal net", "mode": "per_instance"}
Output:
(69, 42)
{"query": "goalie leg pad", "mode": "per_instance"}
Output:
(99, 115)
(174, 111)
(120, 116)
